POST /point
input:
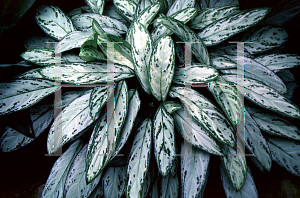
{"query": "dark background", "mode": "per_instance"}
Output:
(24, 170)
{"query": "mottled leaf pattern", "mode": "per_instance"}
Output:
(97, 6)
(126, 7)
(97, 100)
(216, 3)
(277, 62)
(169, 186)
(222, 62)
(180, 5)
(39, 42)
(42, 57)
(171, 106)
(114, 181)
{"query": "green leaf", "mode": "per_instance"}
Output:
(180, 5)
(87, 73)
(73, 40)
(209, 15)
(194, 171)
(19, 94)
(75, 185)
(222, 62)
(42, 57)
(89, 51)
(171, 106)
(264, 39)
(195, 134)
(256, 142)
(194, 74)
(101, 147)
(248, 189)
(169, 186)
(223, 29)
(114, 181)
(55, 184)
(205, 113)
(54, 22)
(97, 6)
(71, 122)
(134, 105)
(141, 49)
(113, 12)
(228, 98)
(266, 97)
(286, 154)
(215, 3)
(139, 159)
(97, 100)
(142, 5)
(147, 14)
(39, 42)
(274, 125)
(126, 7)
(235, 166)
(277, 62)
(164, 140)
(161, 68)
(187, 35)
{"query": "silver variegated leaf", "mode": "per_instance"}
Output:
(222, 29)
(32, 74)
(148, 180)
(266, 97)
(274, 125)
(194, 133)
(228, 98)
(87, 73)
(70, 96)
(256, 142)
(217, 3)
(286, 154)
(222, 62)
(209, 15)
(104, 139)
(54, 22)
(277, 62)
(126, 8)
(112, 11)
(71, 58)
(180, 5)
(71, 122)
(39, 42)
(194, 74)
(235, 166)
(169, 186)
(164, 140)
(73, 40)
(161, 68)
(80, 10)
(97, 100)
(171, 106)
(19, 94)
(114, 181)
(194, 170)
(187, 35)
(264, 39)
(76, 185)
(141, 49)
(98, 192)
(205, 113)
(89, 51)
(97, 6)
(226, 50)
(21, 63)
(141, 6)
(55, 184)
(247, 191)
(42, 57)
(139, 159)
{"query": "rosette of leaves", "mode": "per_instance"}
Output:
(161, 96)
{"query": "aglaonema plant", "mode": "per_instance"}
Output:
(152, 128)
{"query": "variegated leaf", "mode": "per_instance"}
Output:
(256, 142)
(248, 189)
(97, 100)
(141, 49)
(139, 159)
(205, 113)
(229, 51)
(54, 22)
(112, 11)
(235, 166)
(169, 186)
(32, 74)
(102, 144)
(148, 180)
(55, 184)
(89, 51)
(194, 170)
(19, 94)
(80, 10)
(39, 42)
(277, 62)
(222, 29)
(217, 3)
(87, 73)
(76, 185)
(228, 98)
(194, 74)
(194, 133)
(126, 7)
(98, 192)
(209, 15)
(180, 5)
(72, 121)
(171, 106)
(286, 154)
(266, 97)
(71, 58)
(164, 140)
(222, 62)
(70, 96)
(42, 57)
(21, 63)
(274, 125)
(187, 35)
(97, 6)
(114, 181)
(264, 39)
(161, 68)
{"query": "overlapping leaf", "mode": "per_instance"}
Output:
(126, 7)
(171, 106)
(42, 57)
(277, 62)
(180, 5)
(97, 6)
(97, 100)
(114, 181)
(38, 42)
(222, 62)
(216, 3)
(169, 186)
